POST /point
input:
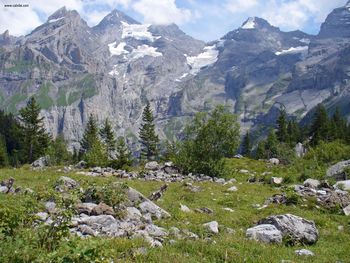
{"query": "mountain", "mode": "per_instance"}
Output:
(112, 70)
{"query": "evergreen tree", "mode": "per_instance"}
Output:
(246, 145)
(338, 126)
(294, 134)
(148, 137)
(36, 140)
(282, 123)
(260, 150)
(271, 145)
(124, 156)
(90, 135)
(320, 127)
(96, 155)
(3, 153)
(107, 137)
(58, 151)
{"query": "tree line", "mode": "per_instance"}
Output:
(206, 140)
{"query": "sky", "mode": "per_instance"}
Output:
(203, 19)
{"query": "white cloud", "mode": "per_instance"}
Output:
(236, 6)
(162, 12)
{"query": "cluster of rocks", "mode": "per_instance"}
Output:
(41, 163)
(293, 228)
(8, 187)
(153, 171)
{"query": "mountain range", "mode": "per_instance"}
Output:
(112, 69)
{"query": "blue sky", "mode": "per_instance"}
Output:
(203, 19)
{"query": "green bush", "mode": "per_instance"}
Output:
(328, 153)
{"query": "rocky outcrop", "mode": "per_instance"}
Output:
(41, 163)
(265, 233)
(337, 171)
(295, 228)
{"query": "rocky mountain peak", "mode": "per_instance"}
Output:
(256, 23)
(337, 23)
(114, 19)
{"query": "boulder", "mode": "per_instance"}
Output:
(42, 216)
(81, 165)
(265, 233)
(276, 180)
(212, 227)
(152, 166)
(41, 163)
(304, 252)
(343, 185)
(300, 150)
(337, 171)
(232, 189)
(184, 208)
(50, 207)
(312, 183)
(274, 161)
(3, 189)
(155, 211)
(132, 213)
(238, 156)
(65, 183)
(346, 210)
(155, 231)
(85, 208)
(135, 197)
(297, 229)
(102, 209)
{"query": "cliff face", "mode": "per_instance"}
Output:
(112, 69)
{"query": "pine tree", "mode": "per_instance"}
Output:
(124, 156)
(260, 151)
(320, 127)
(294, 133)
(96, 155)
(107, 137)
(338, 126)
(148, 137)
(282, 122)
(271, 145)
(3, 153)
(36, 140)
(90, 135)
(246, 145)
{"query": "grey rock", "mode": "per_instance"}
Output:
(41, 163)
(132, 213)
(42, 216)
(346, 210)
(85, 208)
(265, 233)
(304, 252)
(155, 231)
(312, 183)
(297, 228)
(343, 185)
(212, 227)
(300, 150)
(3, 189)
(65, 183)
(184, 208)
(232, 189)
(276, 180)
(337, 171)
(204, 210)
(50, 207)
(153, 209)
(153, 166)
(274, 161)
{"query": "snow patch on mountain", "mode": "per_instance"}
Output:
(182, 77)
(204, 59)
(139, 32)
(249, 24)
(119, 50)
(293, 50)
(145, 50)
(54, 20)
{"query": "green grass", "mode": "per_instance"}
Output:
(333, 245)
(43, 97)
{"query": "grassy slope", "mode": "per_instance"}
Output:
(333, 244)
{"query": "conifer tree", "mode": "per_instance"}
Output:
(338, 126)
(124, 156)
(36, 140)
(107, 137)
(260, 150)
(90, 135)
(3, 153)
(320, 127)
(282, 124)
(148, 137)
(271, 145)
(294, 135)
(96, 155)
(246, 145)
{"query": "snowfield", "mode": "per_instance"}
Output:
(139, 32)
(119, 50)
(204, 59)
(293, 50)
